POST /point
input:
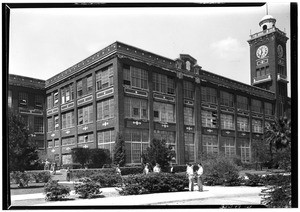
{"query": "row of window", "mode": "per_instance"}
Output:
(38, 123)
(263, 71)
(24, 100)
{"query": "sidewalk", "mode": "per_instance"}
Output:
(241, 195)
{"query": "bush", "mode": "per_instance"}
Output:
(153, 183)
(55, 191)
(80, 173)
(179, 168)
(98, 157)
(40, 176)
(72, 166)
(87, 188)
(20, 178)
(254, 180)
(131, 170)
(220, 171)
(107, 179)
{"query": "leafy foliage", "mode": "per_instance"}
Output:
(22, 151)
(107, 179)
(20, 178)
(119, 151)
(254, 180)
(153, 183)
(41, 176)
(87, 188)
(98, 157)
(80, 155)
(159, 153)
(55, 191)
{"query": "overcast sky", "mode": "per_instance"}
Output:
(44, 42)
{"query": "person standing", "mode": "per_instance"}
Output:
(118, 170)
(199, 177)
(190, 174)
(146, 169)
(156, 168)
(68, 174)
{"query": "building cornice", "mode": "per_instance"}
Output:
(17, 80)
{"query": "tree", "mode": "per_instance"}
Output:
(22, 151)
(260, 149)
(119, 150)
(158, 152)
(80, 155)
(98, 157)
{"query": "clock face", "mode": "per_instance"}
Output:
(262, 51)
(279, 51)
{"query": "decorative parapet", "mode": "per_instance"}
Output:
(267, 32)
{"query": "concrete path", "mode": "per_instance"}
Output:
(212, 195)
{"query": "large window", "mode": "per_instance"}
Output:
(136, 142)
(86, 138)
(38, 125)
(79, 89)
(245, 150)
(67, 141)
(242, 102)
(207, 118)
(23, 99)
(242, 124)
(210, 144)
(136, 108)
(188, 90)
(105, 78)
(163, 84)
(85, 115)
(49, 101)
(257, 126)
(50, 124)
(209, 95)
(229, 146)
(164, 112)
(56, 122)
(227, 122)
(189, 116)
(38, 102)
(89, 84)
(106, 140)
(84, 86)
(67, 93)
(226, 99)
(256, 106)
(105, 109)
(269, 109)
(68, 120)
(55, 99)
(189, 147)
(167, 136)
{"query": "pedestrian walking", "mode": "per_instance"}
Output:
(54, 168)
(156, 168)
(146, 169)
(190, 175)
(68, 174)
(47, 163)
(172, 169)
(118, 170)
(199, 177)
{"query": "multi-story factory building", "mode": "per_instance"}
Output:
(143, 96)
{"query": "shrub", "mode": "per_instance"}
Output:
(220, 171)
(254, 180)
(80, 173)
(107, 179)
(179, 168)
(153, 183)
(131, 170)
(20, 178)
(55, 191)
(41, 176)
(98, 157)
(87, 188)
(72, 166)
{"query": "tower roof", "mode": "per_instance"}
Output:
(267, 18)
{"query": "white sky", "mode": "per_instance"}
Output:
(45, 42)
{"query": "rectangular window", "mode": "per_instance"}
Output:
(242, 124)
(67, 94)
(269, 109)
(229, 146)
(257, 126)
(68, 120)
(79, 89)
(245, 150)
(104, 78)
(50, 144)
(50, 124)
(227, 122)
(106, 140)
(163, 84)
(242, 102)
(189, 116)
(136, 143)
(56, 142)
(85, 115)
(49, 101)
(89, 84)
(208, 118)
(168, 137)
(9, 99)
(56, 122)
(210, 144)
(256, 106)
(23, 99)
(86, 138)
(55, 95)
(38, 125)
(68, 141)
(209, 95)
(105, 109)
(189, 147)
(164, 112)
(226, 99)
(38, 102)
(188, 90)
(136, 108)
(126, 75)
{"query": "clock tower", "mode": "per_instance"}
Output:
(268, 61)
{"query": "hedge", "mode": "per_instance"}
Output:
(23, 178)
